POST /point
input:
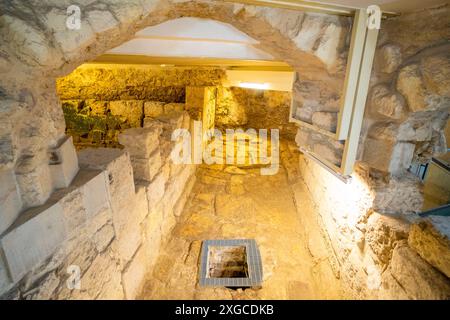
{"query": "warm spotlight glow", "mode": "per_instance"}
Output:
(254, 85)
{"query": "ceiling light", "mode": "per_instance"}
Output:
(254, 85)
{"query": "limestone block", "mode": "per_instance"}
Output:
(10, 114)
(401, 158)
(74, 211)
(96, 107)
(30, 43)
(309, 33)
(130, 111)
(228, 109)
(329, 44)
(141, 202)
(127, 225)
(46, 288)
(325, 120)
(32, 241)
(10, 201)
(389, 58)
(410, 85)
(195, 98)
(176, 186)
(5, 281)
(430, 238)
(181, 202)
(302, 137)
(383, 233)
(97, 222)
(172, 121)
(436, 74)
(68, 40)
(35, 182)
(128, 233)
(153, 109)
(63, 163)
(386, 103)
(415, 131)
(119, 172)
(328, 153)
(134, 275)
(140, 142)
(173, 108)
(419, 279)
(101, 281)
(155, 190)
(398, 196)
(95, 194)
(147, 168)
(388, 156)
(390, 288)
(103, 237)
(304, 111)
(101, 20)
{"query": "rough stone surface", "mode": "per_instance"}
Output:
(417, 277)
(389, 58)
(140, 142)
(10, 201)
(398, 196)
(45, 230)
(325, 120)
(63, 163)
(383, 233)
(430, 239)
(386, 103)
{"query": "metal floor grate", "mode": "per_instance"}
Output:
(253, 261)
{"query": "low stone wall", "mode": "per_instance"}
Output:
(106, 227)
(98, 123)
(379, 255)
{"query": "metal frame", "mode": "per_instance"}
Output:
(254, 262)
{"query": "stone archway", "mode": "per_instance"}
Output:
(40, 47)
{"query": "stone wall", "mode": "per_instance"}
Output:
(94, 123)
(99, 102)
(383, 248)
(409, 100)
(106, 227)
(120, 82)
(378, 256)
(257, 109)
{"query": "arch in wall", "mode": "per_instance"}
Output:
(39, 46)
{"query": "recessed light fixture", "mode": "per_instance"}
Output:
(254, 85)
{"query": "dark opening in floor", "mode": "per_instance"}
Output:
(227, 262)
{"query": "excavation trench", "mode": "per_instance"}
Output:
(227, 202)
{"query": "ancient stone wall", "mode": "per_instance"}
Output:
(409, 99)
(106, 227)
(99, 102)
(37, 47)
(383, 248)
(378, 256)
(113, 82)
(94, 123)
(257, 109)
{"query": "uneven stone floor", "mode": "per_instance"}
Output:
(232, 203)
